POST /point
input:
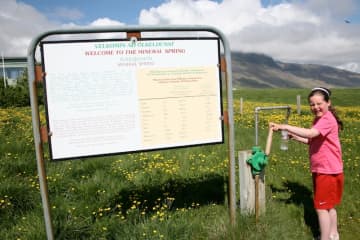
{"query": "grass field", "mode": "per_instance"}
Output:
(178, 193)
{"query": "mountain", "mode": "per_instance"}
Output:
(261, 71)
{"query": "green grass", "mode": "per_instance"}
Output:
(178, 193)
(342, 97)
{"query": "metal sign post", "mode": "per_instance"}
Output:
(3, 67)
(38, 147)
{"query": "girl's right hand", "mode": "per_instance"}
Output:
(274, 126)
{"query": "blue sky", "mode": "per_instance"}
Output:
(303, 31)
(83, 12)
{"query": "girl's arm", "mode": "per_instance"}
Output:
(297, 133)
(299, 139)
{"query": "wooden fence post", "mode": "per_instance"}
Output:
(241, 106)
(298, 103)
(247, 186)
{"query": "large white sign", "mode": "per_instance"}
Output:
(108, 97)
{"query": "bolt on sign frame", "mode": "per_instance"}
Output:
(187, 39)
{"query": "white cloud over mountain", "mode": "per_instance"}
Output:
(308, 32)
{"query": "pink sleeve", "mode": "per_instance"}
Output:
(325, 124)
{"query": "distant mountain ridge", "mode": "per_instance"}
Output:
(261, 71)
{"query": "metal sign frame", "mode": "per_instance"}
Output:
(132, 32)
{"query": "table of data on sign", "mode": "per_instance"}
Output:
(120, 96)
(180, 110)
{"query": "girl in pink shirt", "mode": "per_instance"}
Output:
(325, 158)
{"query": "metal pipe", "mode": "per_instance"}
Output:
(258, 109)
(38, 145)
(3, 66)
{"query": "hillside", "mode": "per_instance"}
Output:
(261, 71)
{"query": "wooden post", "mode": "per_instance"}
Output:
(241, 106)
(229, 120)
(247, 186)
(257, 203)
(298, 104)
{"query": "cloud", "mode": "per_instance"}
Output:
(19, 23)
(311, 31)
(231, 16)
(106, 22)
(354, 67)
(68, 13)
(331, 8)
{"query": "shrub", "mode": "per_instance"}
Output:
(18, 95)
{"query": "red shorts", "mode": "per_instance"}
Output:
(328, 189)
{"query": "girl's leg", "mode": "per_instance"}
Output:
(324, 222)
(333, 224)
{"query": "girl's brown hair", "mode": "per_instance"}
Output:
(326, 93)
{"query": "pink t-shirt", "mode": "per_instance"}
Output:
(325, 149)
